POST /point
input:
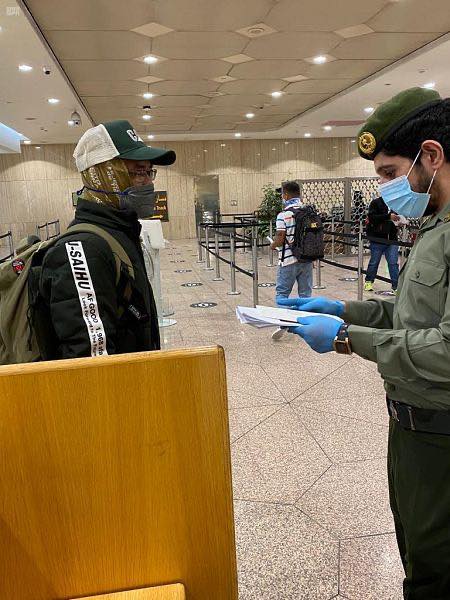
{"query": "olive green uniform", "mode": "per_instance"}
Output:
(409, 339)
(410, 342)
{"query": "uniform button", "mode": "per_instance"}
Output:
(417, 274)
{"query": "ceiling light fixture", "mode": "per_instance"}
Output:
(276, 94)
(150, 137)
(222, 145)
(308, 135)
(27, 142)
(53, 100)
(150, 60)
(319, 60)
(430, 85)
(146, 117)
(250, 115)
(238, 135)
(327, 127)
(147, 95)
(369, 109)
(70, 122)
(353, 141)
(25, 68)
(37, 147)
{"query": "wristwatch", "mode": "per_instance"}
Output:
(341, 342)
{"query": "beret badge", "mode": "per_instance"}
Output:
(367, 143)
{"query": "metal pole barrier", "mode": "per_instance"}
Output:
(255, 263)
(208, 256)
(319, 285)
(58, 227)
(46, 230)
(200, 247)
(270, 249)
(216, 248)
(11, 246)
(233, 291)
(333, 230)
(360, 262)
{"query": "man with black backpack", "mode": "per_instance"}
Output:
(87, 293)
(299, 240)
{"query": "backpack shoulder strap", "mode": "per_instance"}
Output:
(120, 256)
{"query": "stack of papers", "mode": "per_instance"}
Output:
(267, 316)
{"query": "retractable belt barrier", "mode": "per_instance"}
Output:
(7, 236)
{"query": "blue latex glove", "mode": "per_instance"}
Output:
(318, 332)
(318, 304)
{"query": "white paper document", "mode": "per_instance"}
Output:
(268, 316)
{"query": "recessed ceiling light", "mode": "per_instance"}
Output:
(327, 127)
(147, 95)
(25, 68)
(53, 100)
(205, 150)
(307, 135)
(353, 141)
(37, 147)
(319, 60)
(276, 94)
(27, 142)
(274, 149)
(286, 143)
(369, 109)
(250, 115)
(150, 137)
(146, 117)
(70, 123)
(237, 134)
(150, 60)
(429, 86)
(222, 145)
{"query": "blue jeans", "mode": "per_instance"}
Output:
(391, 254)
(302, 273)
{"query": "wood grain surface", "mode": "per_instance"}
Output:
(164, 592)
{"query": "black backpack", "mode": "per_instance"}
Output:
(308, 243)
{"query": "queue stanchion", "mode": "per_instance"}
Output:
(233, 291)
(360, 262)
(254, 241)
(11, 245)
(270, 249)
(319, 285)
(216, 248)
(200, 247)
(208, 256)
(333, 237)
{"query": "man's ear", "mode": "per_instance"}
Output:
(433, 154)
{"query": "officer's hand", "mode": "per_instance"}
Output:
(318, 332)
(319, 304)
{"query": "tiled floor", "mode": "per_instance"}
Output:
(308, 437)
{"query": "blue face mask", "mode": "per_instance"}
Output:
(401, 199)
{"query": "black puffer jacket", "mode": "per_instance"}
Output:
(66, 332)
(380, 224)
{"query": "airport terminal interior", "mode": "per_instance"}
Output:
(277, 455)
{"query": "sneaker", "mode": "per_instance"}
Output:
(368, 286)
(278, 334)
(394, 292)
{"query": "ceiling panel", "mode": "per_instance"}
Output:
(183, 87)
(414, 15)
(263, 69)
(382, 45)
(110, 88)
(319, 86)
(212, 15)
(322, 15)
(205, 44)
(98, 45)
(258, 86)
(346, 69)
(104, 70)
(280, 45)
(242, 100)
(92, 14)
(190, 70)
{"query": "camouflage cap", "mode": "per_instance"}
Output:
(390, 116)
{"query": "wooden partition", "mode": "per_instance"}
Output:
(115, 475)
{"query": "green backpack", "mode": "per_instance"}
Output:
(18, 341)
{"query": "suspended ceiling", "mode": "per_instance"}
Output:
(219, 60)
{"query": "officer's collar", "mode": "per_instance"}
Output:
(433, 220)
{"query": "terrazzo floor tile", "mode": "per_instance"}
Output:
(371, 569)
(343, 439)
(351, 499)
(238, 399)
(277, 461)
(282, 555)
(244, 377)
(243, 420)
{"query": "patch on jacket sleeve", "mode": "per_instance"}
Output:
(18, 266)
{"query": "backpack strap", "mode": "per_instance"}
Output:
(120, 256)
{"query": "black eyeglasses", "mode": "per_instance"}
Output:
(151, 173)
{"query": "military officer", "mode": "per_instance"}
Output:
(408, 139)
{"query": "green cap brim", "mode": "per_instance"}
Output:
(158, 156)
